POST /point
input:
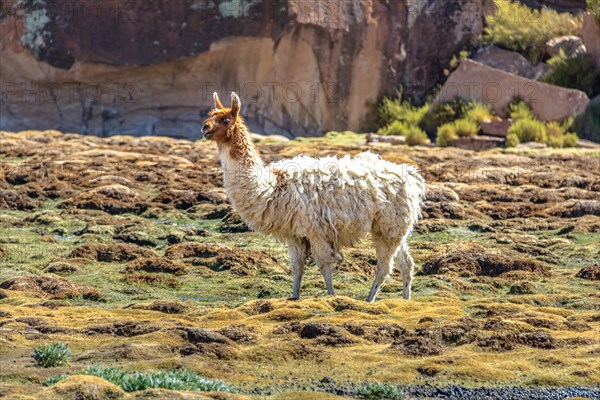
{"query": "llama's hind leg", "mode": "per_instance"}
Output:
(326, 257)
(407, 267)
(385, 266)
(297, 252)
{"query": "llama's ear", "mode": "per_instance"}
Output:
(218, 104)
(236, 104)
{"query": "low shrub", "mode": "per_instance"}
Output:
(478, 112)
(133, 381)
(52, 355)
(444, 113)
(520, 110)
(378, 391)
(416, 136)
(395, 128)
(528, 130)
(579, 72)
(445, 134)
(466, 128)
(394, 109)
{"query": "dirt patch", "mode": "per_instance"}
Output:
(542, 323)
(61, 268)
(167, 307)
(497, 343)
(152, 280)
(113, 199)
(326, 334)
(118, 252)
(203, 341)
(11, 200)
(239, 333)
(157, 264)
(539, 340)
(575, 208)
(233, 223)
(474, 260)
(591, 272)
(450, 210)
(385, 333)
(418, 345)
(54, 287)
(125, 329)
(520, 288)
(221, 258)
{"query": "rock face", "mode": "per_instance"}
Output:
(591, 37)
(571, 45)
(301, 68)
(572, 6)
(510, 61)
(475, 81)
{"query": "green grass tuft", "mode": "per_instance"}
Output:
(378, 391)
(52, 355)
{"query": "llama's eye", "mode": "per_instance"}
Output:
(226, 121)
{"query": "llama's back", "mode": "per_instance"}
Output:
(345, 197)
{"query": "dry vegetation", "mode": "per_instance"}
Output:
(127, 249)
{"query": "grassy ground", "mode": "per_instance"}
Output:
(127, 249)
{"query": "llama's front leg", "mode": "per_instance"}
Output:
(297, 252)
(384, 269)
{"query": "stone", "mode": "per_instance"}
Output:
(498, 127)
(392, 140)
(496, 88)
(510, 61)
(477, 143)
(301, 68)
(571, 45)
(591, 36)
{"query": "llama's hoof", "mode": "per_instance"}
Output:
(294, 298)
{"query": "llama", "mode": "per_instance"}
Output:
(318, 206)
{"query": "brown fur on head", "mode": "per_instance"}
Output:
(222, 124)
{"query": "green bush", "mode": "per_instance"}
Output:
(133, 381)
(54, 379)
(478, 112)
(445, 134)
(378, 391)
(416, 136)
(575, 73)
(520, 110)
(52, 355)
(393, 109)
(526, 130)
(466, 128)
(444, 113)
(395, 128)
(517, 27)
(570, 139)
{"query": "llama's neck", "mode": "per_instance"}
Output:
(245, 178)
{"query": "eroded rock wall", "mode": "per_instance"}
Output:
(149, 67)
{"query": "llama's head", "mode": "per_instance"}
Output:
(222, 122)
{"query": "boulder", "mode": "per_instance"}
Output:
(477, 143)
(570, 45)
(572, 6)
(496, 88)
(510, 61)
(149, 68)
(591, 36)
(497, 127)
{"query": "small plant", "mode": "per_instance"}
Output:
(466, 128)
(53, 380)
(394, 109)
(172, 380)
(579, 72)
(520, 110)
(570, 139)
(445, 134)
(396, 128)
(378, 390)
(478, 112)
(526, 130)
(52, 355)
(444, 113)
(416, 136)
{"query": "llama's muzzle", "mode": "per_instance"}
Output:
(206, 131)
